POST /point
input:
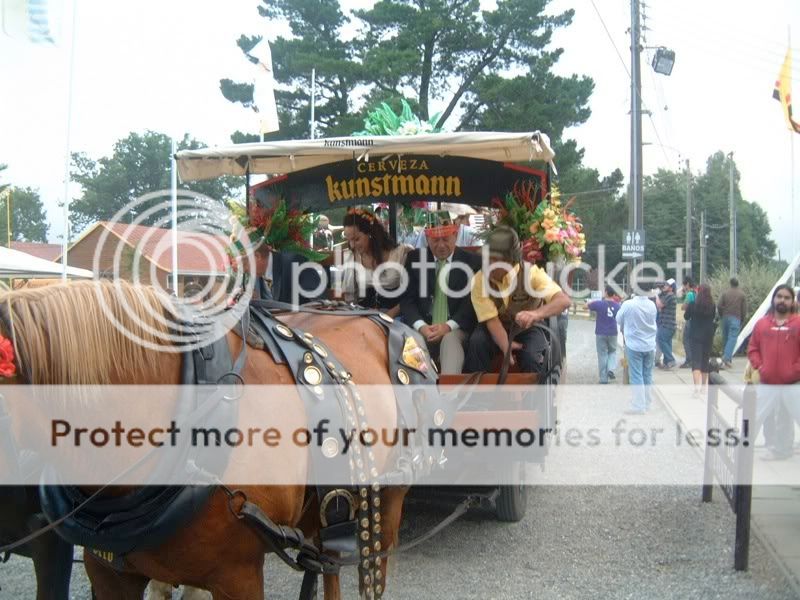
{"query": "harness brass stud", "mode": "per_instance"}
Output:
(344, 375)
(284, 331)
(307, 335)
(365, 523)
(374, 472)
(386, 317)
(376, 502)
(321, 351)
(378, 561)
(365, 551)
(363, 492)
(331, 366)
(308, 358)
(365, 535)
(367, 580)
(360, 463)
(318, 390)
(438, 417)
(378, 589)
(402, 375)
(376, 529)
(312, 375)
(376, 486)
(378, 575)
(362, 478)
(365, 505)
(330, 447)
(365, 564)
(377, 546)
(376, 517)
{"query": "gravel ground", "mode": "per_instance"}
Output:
(575, 542)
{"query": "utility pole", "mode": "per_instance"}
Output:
(689, 216)
(732, 219)
(702, 247)
(636, 208)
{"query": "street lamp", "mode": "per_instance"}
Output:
(663, 61)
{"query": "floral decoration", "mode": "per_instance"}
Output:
(384, 121)
(548, 231)
(8, 367)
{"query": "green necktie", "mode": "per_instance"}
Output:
(439, 298)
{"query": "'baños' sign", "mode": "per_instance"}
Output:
(401, 179)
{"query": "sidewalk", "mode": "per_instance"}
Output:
(776, 508)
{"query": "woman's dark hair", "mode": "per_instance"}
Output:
(368, 224)
(704, 301)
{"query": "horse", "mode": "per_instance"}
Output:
(63, 335)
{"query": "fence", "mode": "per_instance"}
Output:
(732, 465)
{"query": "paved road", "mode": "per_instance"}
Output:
(575, 542)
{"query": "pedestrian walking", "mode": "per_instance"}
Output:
(774, 352)
(689, 293)
(732, 308)
(636, 319)
(605, 331)
(702, 313)
(667, 304)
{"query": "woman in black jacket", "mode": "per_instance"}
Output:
(703, 313)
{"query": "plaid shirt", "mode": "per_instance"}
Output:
(666, 316)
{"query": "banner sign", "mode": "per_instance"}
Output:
(400, 179)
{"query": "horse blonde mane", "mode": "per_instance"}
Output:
(62, 333)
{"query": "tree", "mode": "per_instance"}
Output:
(140, 163)
(446, 50)
(28, 218)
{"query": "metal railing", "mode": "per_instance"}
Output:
(731, 465)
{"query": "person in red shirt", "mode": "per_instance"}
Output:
(774, 351)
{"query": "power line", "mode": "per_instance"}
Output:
(611, 39)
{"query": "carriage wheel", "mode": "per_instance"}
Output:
(512, 500)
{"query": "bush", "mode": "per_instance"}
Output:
(755, 280)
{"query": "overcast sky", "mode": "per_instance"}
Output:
(156, 64)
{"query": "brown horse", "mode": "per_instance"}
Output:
(62, 336)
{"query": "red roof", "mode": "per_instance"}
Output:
(45, 251)
(198, 253)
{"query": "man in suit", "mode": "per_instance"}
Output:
(437, 301)
(287, 277)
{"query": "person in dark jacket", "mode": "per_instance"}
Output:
(436, 303)
(288, 277)
(703, 313)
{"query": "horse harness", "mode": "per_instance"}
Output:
(350, 515)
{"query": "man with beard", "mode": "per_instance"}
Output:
(774, 352)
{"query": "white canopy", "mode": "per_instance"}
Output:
(295, 155)
(14, 263)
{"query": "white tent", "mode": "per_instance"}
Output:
(295, 155)
(14, 263)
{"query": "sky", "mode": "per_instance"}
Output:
(156, 64)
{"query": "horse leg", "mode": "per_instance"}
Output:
(332, 587)
(392, 504)
(52, 562)
(110, 584)
(158, 590)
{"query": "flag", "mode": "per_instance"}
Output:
(783, 91)
(264, 88)
(33, 20)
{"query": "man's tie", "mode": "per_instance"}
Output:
(439, 297)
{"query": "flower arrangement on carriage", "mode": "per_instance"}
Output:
(548, 230)
(279, 227)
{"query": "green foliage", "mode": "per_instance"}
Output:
(446, 50)
(28, 218)
(140, 163)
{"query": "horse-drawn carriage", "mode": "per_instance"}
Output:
(325, 522)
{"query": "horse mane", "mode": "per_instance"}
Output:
(62, 334)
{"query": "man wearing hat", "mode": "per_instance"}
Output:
(436, 302)
(511, 292)
(667, 304)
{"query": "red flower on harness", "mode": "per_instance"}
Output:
(7, 366)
